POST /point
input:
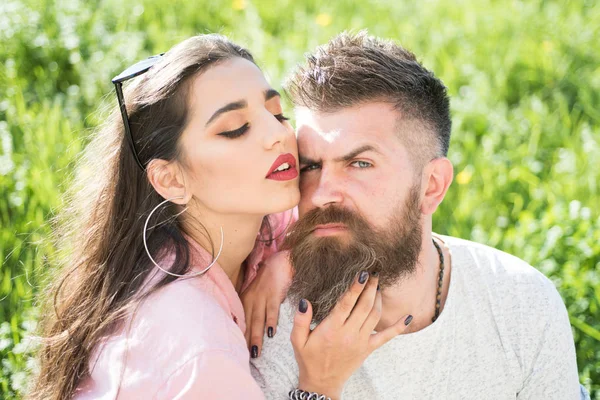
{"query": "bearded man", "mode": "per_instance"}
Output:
(373, 130)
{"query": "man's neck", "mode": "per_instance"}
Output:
(416, 294)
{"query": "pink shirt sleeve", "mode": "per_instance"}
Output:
(211, 375)
(280, 222)
(285, 220)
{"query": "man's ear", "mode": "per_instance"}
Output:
(168, 180)
(437, 177)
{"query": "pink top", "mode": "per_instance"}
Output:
(186, 340)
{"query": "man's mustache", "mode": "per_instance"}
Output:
(328, 215)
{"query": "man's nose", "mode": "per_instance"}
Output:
(328, 191)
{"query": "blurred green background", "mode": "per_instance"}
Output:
(524, 78)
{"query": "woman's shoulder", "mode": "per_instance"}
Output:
(178, 325)
(180, 319)
(189, 310)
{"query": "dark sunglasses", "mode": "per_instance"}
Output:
(135, 70)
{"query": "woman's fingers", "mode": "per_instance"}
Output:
(248, 314)
(374, 316)
(301, 328)
(257, 330)
(364, 305)
(272, 315)
(344, 306)
(379, 339)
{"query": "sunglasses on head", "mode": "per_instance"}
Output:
(135, 70)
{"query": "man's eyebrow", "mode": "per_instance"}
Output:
(270, 93)
(306, 161)
(236, 105)
(356, 152)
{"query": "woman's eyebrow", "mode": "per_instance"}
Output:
(236, 105)
(270, 93)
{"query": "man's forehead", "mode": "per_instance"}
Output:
(310, 127)
(371, 124)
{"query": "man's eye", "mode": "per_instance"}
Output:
(310, 167)
(361, 164)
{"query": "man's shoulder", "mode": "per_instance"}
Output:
(509, 279)
(472, 257)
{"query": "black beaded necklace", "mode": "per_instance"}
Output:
(438, 298)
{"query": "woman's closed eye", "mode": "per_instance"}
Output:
(244, 128)
(236, 132)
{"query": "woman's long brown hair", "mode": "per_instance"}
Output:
(103, 261)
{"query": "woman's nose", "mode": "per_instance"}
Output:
(276, 133)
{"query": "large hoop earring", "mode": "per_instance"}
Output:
(156, 264)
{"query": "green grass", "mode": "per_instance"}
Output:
(525, 84)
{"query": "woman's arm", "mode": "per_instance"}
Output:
(263, 298)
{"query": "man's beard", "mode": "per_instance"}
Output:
(326, 267)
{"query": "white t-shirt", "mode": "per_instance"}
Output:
(504, 333)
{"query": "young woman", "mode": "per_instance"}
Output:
(178, 198)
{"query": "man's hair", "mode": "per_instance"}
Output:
(354, 69)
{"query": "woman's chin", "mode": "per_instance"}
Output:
(284, 201)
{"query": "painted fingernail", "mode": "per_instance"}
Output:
(270, 331)
(303, 306)
(362, 278)
(408, 320)
(378, 288)
(254, 351)
(375, 273)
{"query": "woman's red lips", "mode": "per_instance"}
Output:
(285, 172)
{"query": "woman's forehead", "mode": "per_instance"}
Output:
(227, 82)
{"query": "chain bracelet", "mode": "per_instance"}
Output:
(299, 394)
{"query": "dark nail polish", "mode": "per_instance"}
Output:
(362, 278)
(408, 320)
(303, 306)
(254, 351)
(375, 273)
(270, 331)
(378, 288)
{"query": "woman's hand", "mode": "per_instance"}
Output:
(330, 354)
(263, 298)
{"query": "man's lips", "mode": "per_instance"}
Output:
(289, 173)
(329, 229)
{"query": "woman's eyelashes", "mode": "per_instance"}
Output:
(244, 128)
(236, 132)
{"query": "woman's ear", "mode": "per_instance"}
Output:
(168, 180)
(437, 177)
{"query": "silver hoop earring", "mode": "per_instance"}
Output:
(156, 264)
